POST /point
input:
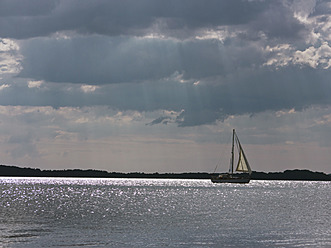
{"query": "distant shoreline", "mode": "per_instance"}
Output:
(298, 175)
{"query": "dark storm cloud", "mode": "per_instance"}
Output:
(98, 60)
(22, 19)
(252, 92)
(103, 60)
(277, 22)
(249, 67)
(22, 8)
(321, 8)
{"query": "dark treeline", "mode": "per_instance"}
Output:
(303, 175)
(31, 172)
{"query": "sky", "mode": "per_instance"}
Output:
(158, 86)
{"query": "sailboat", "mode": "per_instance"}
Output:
(242, 166)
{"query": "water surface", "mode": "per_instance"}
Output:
(62, 212)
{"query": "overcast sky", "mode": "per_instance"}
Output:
(158, 86)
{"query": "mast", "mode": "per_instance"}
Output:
(232, 152)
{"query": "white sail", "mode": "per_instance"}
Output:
(242, 165)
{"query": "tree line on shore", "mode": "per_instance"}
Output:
(15, 171)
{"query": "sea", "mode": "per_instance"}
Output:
(81, 212)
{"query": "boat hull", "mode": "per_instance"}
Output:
(232, 180)
(228, 178)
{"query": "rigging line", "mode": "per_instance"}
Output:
(219, 161)
(223, 151)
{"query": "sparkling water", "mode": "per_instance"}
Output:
(72, 212)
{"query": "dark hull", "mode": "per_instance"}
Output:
(228, 178)
(232, 180)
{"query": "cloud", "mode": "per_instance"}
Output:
(103, 60)
(10, 58)
(40, 136)
(277, 23)
(35, 84)
(163, 120)
(315, 57)
(88, 88)
(266, 34)
(250, 91)
(272, 56)
(20, 20)
(180, 19)
(4, 86)
(87, 82)
(98, 60)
